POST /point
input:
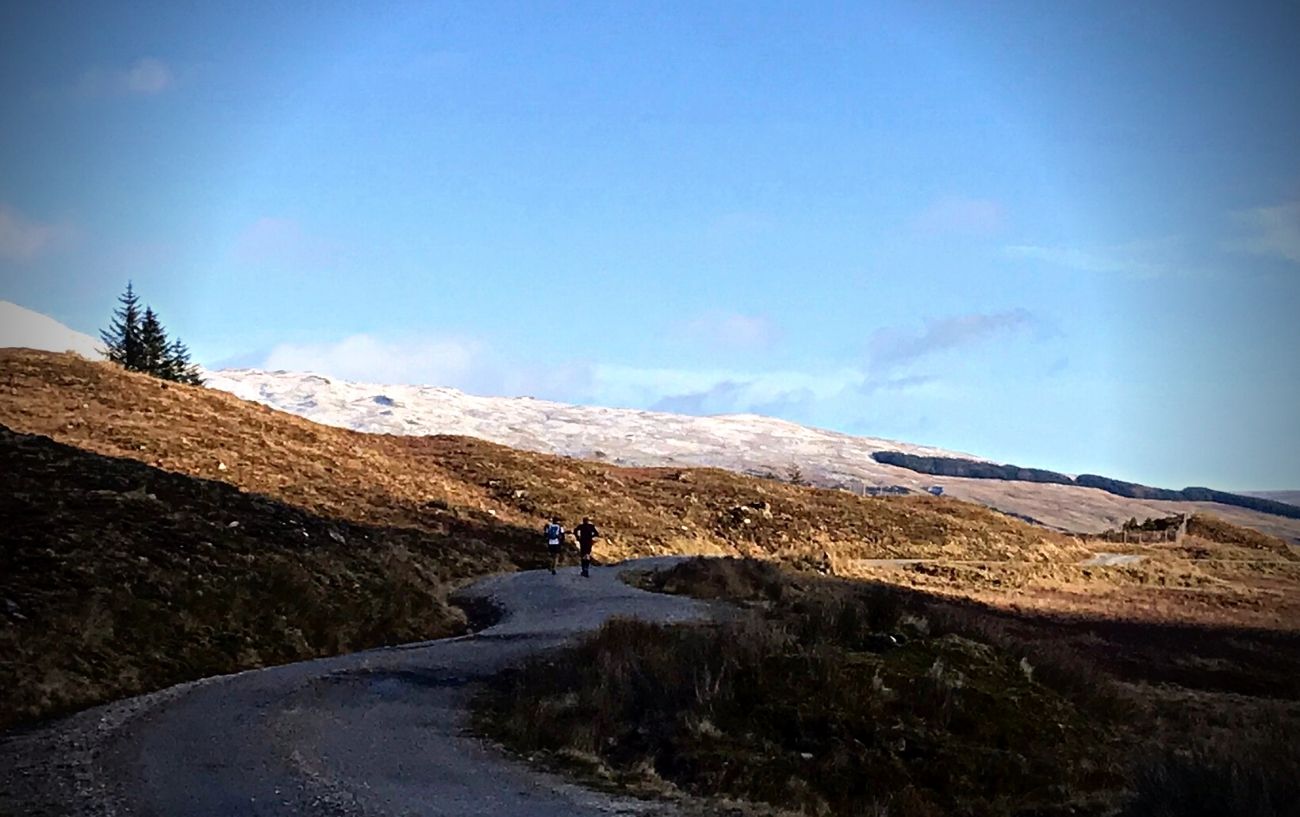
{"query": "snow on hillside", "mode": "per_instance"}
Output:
(22, 327)
(745, 443)
(627, 436)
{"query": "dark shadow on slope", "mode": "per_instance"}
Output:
(117, 578)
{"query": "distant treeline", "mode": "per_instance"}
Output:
(955, 467)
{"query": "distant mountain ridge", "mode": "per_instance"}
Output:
(738, 442)
(743, 443)
(955, 467)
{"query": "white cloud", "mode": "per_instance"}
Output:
(476, 368)
(720, 398)
(463, 363)
(732, 330)
(22, 239)
(791, 394)
(802, 395)
(365, 358)
(909, 384)
(1272, 231)
(144, 77)
(894, 347)
(1129, 259)
(960, 215)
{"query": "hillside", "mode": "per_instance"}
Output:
(620, 436)
(742, 443)
(167, 532)
(432, 483)
(20, 326)
(117, 578)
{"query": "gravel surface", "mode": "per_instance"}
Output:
(382, 732)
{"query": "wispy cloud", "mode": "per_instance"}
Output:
(22, 239)
(144, 77)
(366, 358)
(1137, 259)
(730, 397)
(700, 391)
(802, 395)
(465, 363)
(721, 397)
(1271, 231)
(732, 330)
(962, 216)
(284, 241)
(908, 384)
(893, 347)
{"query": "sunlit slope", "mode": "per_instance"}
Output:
(743, 443)
(435, 483)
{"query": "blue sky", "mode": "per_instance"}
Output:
(1063, 235)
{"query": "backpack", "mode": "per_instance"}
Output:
(554, 533)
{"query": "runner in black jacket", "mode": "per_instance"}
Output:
(586, 535)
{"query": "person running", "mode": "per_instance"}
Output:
(587, 535)
(554, 533)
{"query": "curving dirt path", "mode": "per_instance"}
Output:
(381, 732)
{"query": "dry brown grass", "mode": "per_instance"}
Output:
(1206, 715)
(1248, 580)
(432, 483)
(830, 698)
(114, 593)
(437, 511)
(118, 578)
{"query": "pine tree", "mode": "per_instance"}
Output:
(179, 367)
(155, 354)
(122, 337)
(138, 342)
(794, 475)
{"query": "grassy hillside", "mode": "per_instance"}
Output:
(161, 532)
(432, 483)
(165, 532)
(830, 697)
(116, 578)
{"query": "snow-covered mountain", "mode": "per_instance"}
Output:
(745, 443)
(741, 442)
(20, 326)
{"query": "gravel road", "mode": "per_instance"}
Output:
(381, 732)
